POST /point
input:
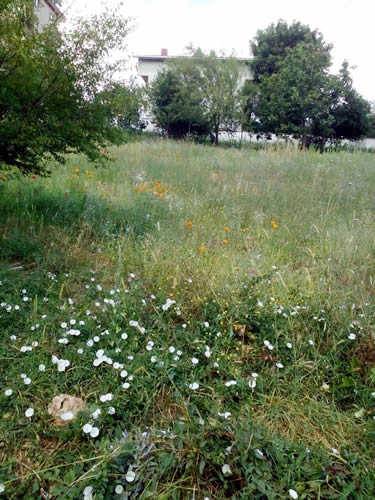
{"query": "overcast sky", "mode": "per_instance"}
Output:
(230, 24)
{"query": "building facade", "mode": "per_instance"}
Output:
(149, 66)
(47, 12)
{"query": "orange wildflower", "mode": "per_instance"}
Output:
(225, 241)
(141, 187)
(274, 224)
(189, 223)
(227, 229)
(202, 248)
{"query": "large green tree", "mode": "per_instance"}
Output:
(294, 94)
(271, 45)
(51, 86)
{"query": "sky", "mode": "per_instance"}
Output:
(226, 25)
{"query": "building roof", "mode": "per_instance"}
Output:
(165, 58)
(53, 7)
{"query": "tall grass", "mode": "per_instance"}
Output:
(269, 258)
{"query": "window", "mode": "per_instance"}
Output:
(52, 17)
(145, 78)
(37, 4)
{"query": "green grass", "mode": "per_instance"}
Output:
(269, 259)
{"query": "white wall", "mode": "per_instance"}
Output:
(151, 68)
(45, 15)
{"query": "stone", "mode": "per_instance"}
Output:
(65, 408)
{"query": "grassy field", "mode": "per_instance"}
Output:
(213, 308)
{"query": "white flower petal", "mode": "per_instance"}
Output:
(130, 476)
(94, 432)
(194, 386)
(87, 428)
(29, 412)
(68, 415)
(226, 470)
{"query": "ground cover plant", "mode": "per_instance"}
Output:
(214, 310)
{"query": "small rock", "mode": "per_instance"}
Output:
(63, 406)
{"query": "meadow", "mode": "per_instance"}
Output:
(213, 308)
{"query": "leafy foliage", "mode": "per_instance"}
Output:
(272, 45)
(176, 103)
(295, 96)
(51, 84)
(125, 104)
(197, 95)
(371, 129)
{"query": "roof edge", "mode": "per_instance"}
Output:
(53, 7)
(163, 58)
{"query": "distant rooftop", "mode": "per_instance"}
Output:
(164, 56)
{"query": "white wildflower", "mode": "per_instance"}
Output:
(194, 386)
(94, 432)
(68, 415)
(119, 489)
(87, 428)
(226, 470)
(130, 476)
(29, 412)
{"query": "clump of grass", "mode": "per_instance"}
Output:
(213, 309)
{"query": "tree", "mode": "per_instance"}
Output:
(294, 94)
(350, 111)
(51, 86)
(125, 104)
(270, 46)
(197, 95)
(177, 102)
(293, 100)
(221, 93)
(371, 124)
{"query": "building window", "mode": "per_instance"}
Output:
(37, 4)
(145, 79)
